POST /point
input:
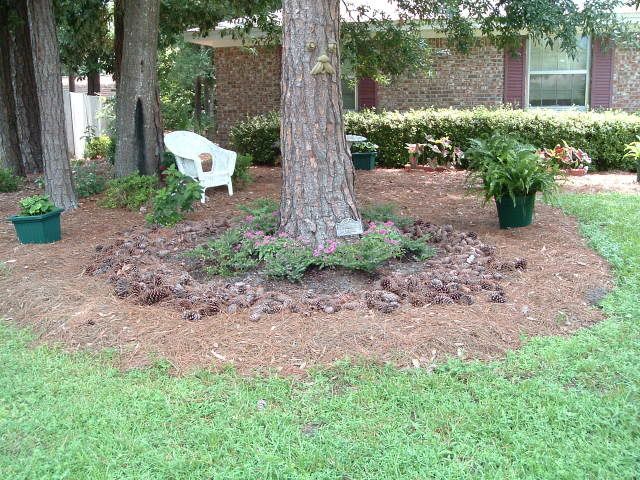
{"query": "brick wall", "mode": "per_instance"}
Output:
(246, 85)
(626, 79)
(458, 80)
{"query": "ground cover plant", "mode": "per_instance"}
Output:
(90, 177)
(130, 192)
(558, 408)
(170, 203)
(256, 242)
(9, 182)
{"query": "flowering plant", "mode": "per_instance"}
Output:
(443, 152)
(566, 156)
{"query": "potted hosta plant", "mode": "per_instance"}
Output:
(38, 220)
(511, 173)
(573, 161)
(364, 155)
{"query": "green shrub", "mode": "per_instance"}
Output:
(259, 137)
(9, 182)
(241, 173)
(175, 199)
(131, 192)
(603, 135)
(36, 205)
(90, 178)
(98, 147)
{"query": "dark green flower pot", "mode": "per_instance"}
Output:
(364, 160)
(516, 215)
(38, 228)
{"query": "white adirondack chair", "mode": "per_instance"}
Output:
(187, 146)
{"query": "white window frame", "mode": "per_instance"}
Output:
(586, 72)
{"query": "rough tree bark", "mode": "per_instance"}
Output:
(11, 156)
(318, 177)
(72, 83)
(57, 172)
(24, 84)
(138, 123)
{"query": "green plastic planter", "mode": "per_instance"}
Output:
(518, 215)
(364, 160)
(38, 228)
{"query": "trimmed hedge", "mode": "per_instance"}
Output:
(603, 135)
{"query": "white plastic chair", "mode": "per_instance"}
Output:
(187, 146)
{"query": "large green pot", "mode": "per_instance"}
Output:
(364, 160)
(516, 215)
(38, 228)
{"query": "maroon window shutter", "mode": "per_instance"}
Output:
(367, 93)
(601, 74)
(515, 65)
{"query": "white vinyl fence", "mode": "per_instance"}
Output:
(81, 111)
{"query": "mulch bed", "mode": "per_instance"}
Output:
(112, 282)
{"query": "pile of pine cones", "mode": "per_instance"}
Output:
(146, 267)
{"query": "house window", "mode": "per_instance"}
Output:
(555, 79)
(349, 95)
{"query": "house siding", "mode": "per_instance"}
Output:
(626, 80)
(458, 80)
(247, 84)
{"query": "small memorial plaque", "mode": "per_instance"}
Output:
(348, 227)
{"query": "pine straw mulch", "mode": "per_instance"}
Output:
(49, 287)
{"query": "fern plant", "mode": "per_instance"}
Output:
(506, 167)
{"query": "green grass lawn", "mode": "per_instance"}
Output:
(558, 408)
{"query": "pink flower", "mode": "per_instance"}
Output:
(249, 218)
(388, 223)
(318, 250)
(382, 231)
(283, 235)
(249, 234)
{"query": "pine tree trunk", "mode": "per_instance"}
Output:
(118, 33)
(11, 156)
(24, 84)
(57, 172)
(72, 83)
(138, 123)
(318, 177)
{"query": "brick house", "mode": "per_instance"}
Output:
(601, 76)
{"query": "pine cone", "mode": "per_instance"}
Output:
(385, 307)
(122, 287)
(452, 287)
(507, 267)
(210, 309)
(486, 285)
(521, 263)
(437, 285)
(497, 297)
(386, 282)
(191, 315)
(455, 296)
(472, 235)
(442, 299)
(487, 249)
(154, 295)
(466, 300)
(416, 300)
(413, 284)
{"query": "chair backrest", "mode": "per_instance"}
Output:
(187, 146)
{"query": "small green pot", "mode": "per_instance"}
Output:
(518, 215)
(364, 160)
(38, 228)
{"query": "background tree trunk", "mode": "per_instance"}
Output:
(93, 83)
(318, 177)
(11, 156)
(118, 33)
(138, 123)
(197, 103)
(57, 172)
(24, 85)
